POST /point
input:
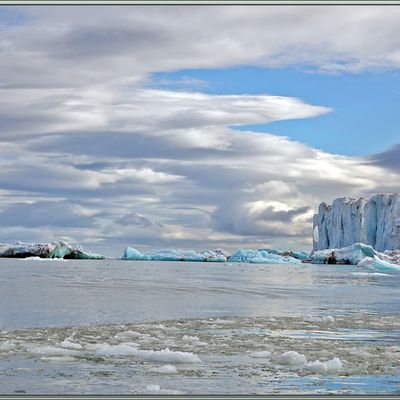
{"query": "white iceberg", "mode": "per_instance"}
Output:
(46, 250)
(261, 257)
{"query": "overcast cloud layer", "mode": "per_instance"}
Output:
(92, 154)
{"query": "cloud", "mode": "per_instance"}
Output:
(92, 152)
(64, 47)
(387, 159)
(46, 213)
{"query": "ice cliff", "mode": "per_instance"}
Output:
(46, 250)
(375, 222)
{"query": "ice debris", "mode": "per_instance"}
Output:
(59, 249)
(375, 222)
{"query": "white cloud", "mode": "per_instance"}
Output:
(86, 142)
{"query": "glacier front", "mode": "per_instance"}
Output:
(375, 222)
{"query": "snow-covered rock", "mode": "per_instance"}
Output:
(46, 250)
(347, 221)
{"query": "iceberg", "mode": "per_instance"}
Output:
(262, 257)
(375, 222)
(59, 249)
(376, 263)
(218, 255)
(358, 254)
(300, 255)
(347, 255)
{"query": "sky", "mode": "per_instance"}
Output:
(194, 127)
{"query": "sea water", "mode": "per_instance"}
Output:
(137, 327)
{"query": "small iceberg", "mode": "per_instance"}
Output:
(218, 255)
(59, 249)
(376, 263)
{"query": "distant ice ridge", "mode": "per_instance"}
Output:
(247, 256)
(59, 249)
(359, 254)
(375, 222)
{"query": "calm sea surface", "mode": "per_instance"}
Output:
(126, 327)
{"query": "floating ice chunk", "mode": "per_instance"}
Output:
(193, 340)
(58, 358)
(165, 355)
(128, 335)
(187, 338)
(52, 350)
(165, 369)
(66, 344)
(369, 274)
(321, 367)
(376, 263)
(7, 345)
(292, 358)
(262, 257)
(153, 388)
(261, 354)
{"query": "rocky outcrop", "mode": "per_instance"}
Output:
(375, 222)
